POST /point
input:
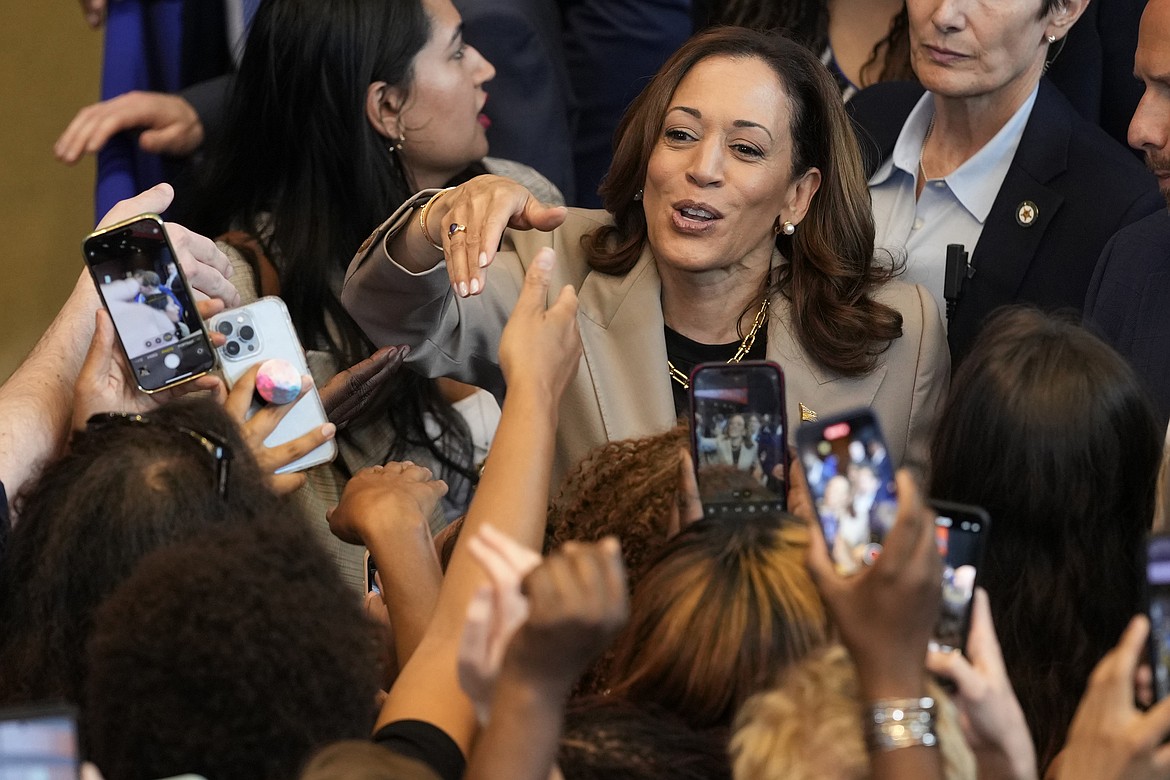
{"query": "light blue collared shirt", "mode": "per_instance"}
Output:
(951, 210)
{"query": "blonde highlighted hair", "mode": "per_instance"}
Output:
(811, 727)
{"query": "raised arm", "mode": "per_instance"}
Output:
(539, 354)
(36, 401)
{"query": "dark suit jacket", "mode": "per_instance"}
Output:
(1084, 187)
(530, 101)
(1094, 67)
(1128, 302)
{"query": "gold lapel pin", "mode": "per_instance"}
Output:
(807, 415)
(1026, 214)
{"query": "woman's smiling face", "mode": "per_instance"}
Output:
(720, 175)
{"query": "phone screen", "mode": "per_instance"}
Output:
(1158, 590)
(371, 574)
(738, 437)
(147, 296)
(960, 532)
(38, 744)
(851, 478)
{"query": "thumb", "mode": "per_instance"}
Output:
(100, 357)
(155, 200)
(534, 293)
(543, 217)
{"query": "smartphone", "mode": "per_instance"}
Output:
(1158, 609)
(142, 285)
(961, 533)
(39, 742)
(371, 573)
(738, 437)
(260, 331)
(849, 473)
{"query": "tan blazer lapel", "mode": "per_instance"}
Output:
(625, 351)
(821, 391)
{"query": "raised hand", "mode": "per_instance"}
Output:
(347, 394)
(885, 614)
(541, 345)
(1110, 738)
(993, 722)
(257, 428)
(169, 123)
(480, 210)
(385, 497)
(106, 384)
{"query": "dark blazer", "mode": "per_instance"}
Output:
(1128, 301)
(530, 101)
(1082, 185)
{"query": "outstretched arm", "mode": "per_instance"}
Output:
(36, 401)
(539, 354)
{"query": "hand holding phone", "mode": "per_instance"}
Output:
(1158, 608)
(258, 332)
(848, 470)
(739, 437)
(885, 613)
(142, 285)
(961, 533)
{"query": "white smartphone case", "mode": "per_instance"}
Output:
(272, 336)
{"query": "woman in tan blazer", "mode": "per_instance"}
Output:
(737, 226)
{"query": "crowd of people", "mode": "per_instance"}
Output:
(509, 570)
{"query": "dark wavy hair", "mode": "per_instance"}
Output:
(1048, 429)
(807, 23)
(235, 654)
(298, 164)
(831, 274)
(119, 493)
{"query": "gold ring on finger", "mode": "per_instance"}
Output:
(456, 228)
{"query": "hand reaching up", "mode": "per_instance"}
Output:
(541, 345)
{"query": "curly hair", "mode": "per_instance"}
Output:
(606, 737)
(832, 274)
(627, 489)
(119, 493)
(809, 728)
(235, 654)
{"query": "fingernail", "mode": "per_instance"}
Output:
(463, 289)
(483, 259)
(544, 259)
(328, 430)
(474, 286)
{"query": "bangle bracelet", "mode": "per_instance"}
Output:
(901, 723)
(422, 217)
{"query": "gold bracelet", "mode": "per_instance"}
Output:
(422, 217)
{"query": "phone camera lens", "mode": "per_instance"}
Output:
(224, 327)
(246, 332)
(232, 348)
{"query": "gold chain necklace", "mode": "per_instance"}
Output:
(745, 347)
(922, 151)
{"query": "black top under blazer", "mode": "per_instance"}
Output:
(1082, 184)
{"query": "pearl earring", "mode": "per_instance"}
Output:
(787, 228)
(1050, 38)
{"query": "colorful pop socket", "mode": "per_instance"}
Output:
(278, 381)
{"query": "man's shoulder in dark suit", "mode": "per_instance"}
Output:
(1128, 303)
